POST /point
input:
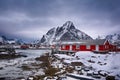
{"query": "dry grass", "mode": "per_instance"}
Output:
(43, 58)
(11, 56)
(39, 77)
(51, 71)
(69, 69)
(46, 64)
(26, 67)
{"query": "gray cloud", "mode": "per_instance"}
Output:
(33, 18)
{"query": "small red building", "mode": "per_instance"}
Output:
(24, 47)
(87, 45)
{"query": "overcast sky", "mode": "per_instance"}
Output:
(30, 19)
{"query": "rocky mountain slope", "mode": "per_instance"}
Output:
(114, 38)
(66, 32)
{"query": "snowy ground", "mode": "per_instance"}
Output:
(11, 68)
(106, 62)
(103, 63)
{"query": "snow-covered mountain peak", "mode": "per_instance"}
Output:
(68, 25)
(66, 32)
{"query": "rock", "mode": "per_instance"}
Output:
(86, 69)
(91, 61)
(118, 75)
(77, 64)
(110, 78)
(2, 78)
(96, 75)
(1, 68)
(89, 73)
(103, 73)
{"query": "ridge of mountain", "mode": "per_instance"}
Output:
(66, 32)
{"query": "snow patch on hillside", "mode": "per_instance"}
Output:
(113, 38)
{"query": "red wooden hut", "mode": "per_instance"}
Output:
(87, 45)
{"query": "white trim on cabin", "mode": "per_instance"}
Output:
(70, 47)
(97, 47)
(87, 46)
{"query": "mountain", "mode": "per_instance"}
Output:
(1, 40)
(66, 32)
(5, 40)
(114, 38)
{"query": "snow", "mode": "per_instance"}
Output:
(4, 53)
(64, 56)
(16, 46)
(81, 76)
(71, 42)
(58, 37)
(69, 78)
(52, 37)
(106, 63)
(114, 38)
(40, 72)
(32, 53)
(102, 63)
(111, 60)
(11, 41)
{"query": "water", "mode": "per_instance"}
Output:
(11, 68)
(32, 53)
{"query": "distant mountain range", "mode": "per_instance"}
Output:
(66, 32)
(4, 39)
(114, 38)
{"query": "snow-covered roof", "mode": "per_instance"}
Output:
(83, 42)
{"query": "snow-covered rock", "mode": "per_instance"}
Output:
(65, 32)
(11, 41)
